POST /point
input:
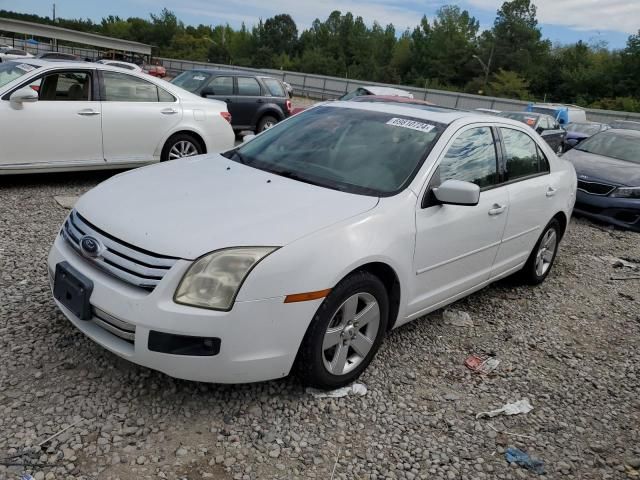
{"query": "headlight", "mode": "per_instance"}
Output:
(626, 192)
(213, 281)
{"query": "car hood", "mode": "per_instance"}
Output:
(186, 208)
(607, 169)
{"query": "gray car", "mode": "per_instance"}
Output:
(608, 169)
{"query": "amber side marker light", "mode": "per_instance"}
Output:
(305, 297)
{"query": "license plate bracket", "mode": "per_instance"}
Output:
(73, 290)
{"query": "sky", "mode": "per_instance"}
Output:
(562, 21)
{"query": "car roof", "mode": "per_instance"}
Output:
(223, 71)
(378, 90)
(432, 113)
(391, 98)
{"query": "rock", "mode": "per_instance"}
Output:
(181, 452)
(457, 318)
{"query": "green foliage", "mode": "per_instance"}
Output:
(447, 51)
(509, 84)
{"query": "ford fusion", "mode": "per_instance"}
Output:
(302, 248)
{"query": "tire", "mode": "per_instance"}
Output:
(181, 145)
(266, 122)
(356, 343)
(543, 255)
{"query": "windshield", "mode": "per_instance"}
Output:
(547, 111)
(586, 128)
(614, 145)
(358, 92)
(191, 81)
(521, 117)
(9, 71)
(352, 150)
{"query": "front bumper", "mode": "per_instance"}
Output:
(622, 212)
(259, 339)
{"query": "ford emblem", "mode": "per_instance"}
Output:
(90, 246)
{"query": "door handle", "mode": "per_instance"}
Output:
(88, 112)
(168, 111)
(497, 209)
(551, 191)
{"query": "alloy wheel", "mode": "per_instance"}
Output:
(351, 333)
(183, 148)
(546, 252)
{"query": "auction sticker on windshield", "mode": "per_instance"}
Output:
(412, 124)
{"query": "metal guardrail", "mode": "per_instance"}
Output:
(323, 87)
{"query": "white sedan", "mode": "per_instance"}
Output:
(60, 116)
(7, 54)
(305, 245)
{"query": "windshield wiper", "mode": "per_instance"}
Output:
(239, 157)
(296, 176)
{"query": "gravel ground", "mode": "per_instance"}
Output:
(570, 346)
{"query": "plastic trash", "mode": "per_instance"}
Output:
(457, 318)
(481, 364)
(521, 406)
(517, 456)
(26, 476)
(354, 389)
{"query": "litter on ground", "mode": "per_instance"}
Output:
(517, 456)
(521, 406)
(353, 389)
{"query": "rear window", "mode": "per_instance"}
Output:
(191, 81)
(274, 87)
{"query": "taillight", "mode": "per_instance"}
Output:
(226, 116)
(289, 107)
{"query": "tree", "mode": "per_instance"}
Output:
(510, 85)
(280, 34)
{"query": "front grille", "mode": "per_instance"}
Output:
(595, 188)
(130, 264)
(114, 325)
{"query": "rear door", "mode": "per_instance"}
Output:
(248, 101)
(62, 127)
(532, 188)
(136, 116)
(223, 90)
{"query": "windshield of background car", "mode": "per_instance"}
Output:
(347, 149)
(521, 117)
(356, 93)
(586, 128)
(191, 81)
(547, 111)
(10, 71)
(614, 145)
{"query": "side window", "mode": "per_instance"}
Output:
(165, 96)
(119, 87)
(544, 163)
(544, 123)
(248, 86)
(65, 86)
(471, 158)
(222, 85)
(275, 87)
(522, 154)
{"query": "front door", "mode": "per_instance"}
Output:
(137, 116)
(62, 127)
(456, 245)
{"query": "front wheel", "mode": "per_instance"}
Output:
(543, 255)
(345, 332)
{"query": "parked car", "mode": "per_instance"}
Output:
(376, 90)
(563, 114)
(7, 54)
(393, 99)
(365, 93)
(68, 57)
(625, 125)
(545, 125)
(92, 116)
(489, 111)
(307, 244)
(256, 102)
(577, 132)
(608, 168)
(156, 70)
(124, 65)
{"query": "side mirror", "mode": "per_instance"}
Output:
(206, 91)
(248, 138)
(457, 192)
(24, 95)
(540, 130)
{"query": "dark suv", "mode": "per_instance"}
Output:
(255, 102)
